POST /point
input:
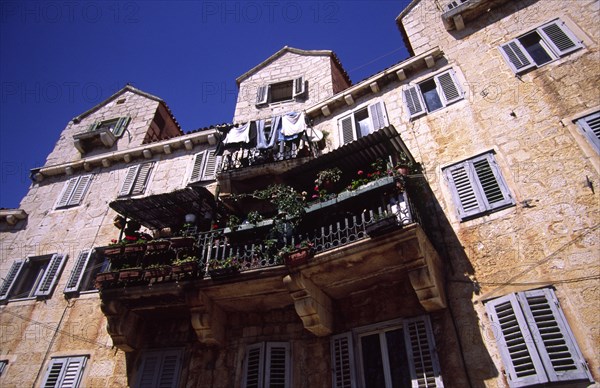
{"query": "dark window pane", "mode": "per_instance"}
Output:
(430, 95)
(398, 360)
(363, 122)
(372, 362)
(281, 91)
(532, 44)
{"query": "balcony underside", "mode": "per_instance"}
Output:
(402, 257)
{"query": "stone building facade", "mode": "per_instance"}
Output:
(485, 275)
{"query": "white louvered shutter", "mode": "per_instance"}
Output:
(80, 189)
(197, 167)
(559, 37)
(65, 372)
(129, 180)
(299, 87)
(552, 336)
(262, 95)
(209, 172)
(421, 354)
(254, 366)
(590, 125)
(517, 57)
(492, 185)
(347, 130)
(120, 126)
(141, 179)
(277, 372)
(342, 361)
(413, 100)
(378, 115)
(464, 194)
(451, 91)
(54, 373)
(77, 274)
(67, 192)
(51, 275)
(10, 279)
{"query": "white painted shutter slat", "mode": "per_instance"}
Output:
(197, 167)
(129, 181)
(420, 349)
(277, 373)
(517, 57)
(559, 37)
(73, 372)
(80, 189)
(121, 126)
(262, 94)
(414, 101)
(67, 192)
(141, 180)
(347, 130)
(590, 125)
(463, 191)
(210, 167)
(10, 279)
(254, 366)
(77, 274)
(51, 275)
(378, 115)
(552, 336)
(299, 87)
(493, 188)
(55, 371)
(342, 361)
(451, 91)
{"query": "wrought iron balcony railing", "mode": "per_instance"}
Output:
(255, 157)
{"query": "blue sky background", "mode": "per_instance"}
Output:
(59, 58)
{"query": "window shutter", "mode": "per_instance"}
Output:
(299, 87)
(54, 372)
(517, 57)
(50, 275)
(93, 126)
(463, 192)
(80, 189)
(414, 102)
(559, 37)
(378, 115)
(342, 361)
(67, 192)
(160, 369)
(10, 279)
(347, 129)
(277, 373)
(494, 190)
(590, 125)
(129, 180)
(78, 271)
(253, 366)
(141, 179)
(262, 94)
(121, 126)
(210, 167)
(169, 369)
(197, 167)
(65, 372)
(149, 370)
(451, 91)
(552, 336)
(420, 349)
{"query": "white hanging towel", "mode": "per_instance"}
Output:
(293, 124)
(240, 134)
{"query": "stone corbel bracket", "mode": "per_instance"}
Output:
(312, 305)
(208, 319)
(123, 326)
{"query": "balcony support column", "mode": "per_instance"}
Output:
(123, 326)
(208, 319)
(312, 305)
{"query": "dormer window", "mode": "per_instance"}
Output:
(281, 91)
(116, 126)
(100, 133)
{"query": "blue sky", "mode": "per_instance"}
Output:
(59, 58)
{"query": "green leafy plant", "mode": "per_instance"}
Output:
(229, 262)
(233, 222)
(185, 259)
(254, 217)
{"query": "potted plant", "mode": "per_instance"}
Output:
(154, 271)
(135, 246)
(254, 217)
(233, 222)
(104, 278)
(157, 245)
(298, 254)
(186, 264)
(223, 269)
(326, 179)
(130, 273)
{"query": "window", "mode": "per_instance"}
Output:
(267, 365)
(205, 166)
(477, 186)
(83, 276)
(64, 372)
(117, 126)
(160, 368)
(3, 364)
(33, 277)
(432, 94)
(590, 126)
(73, 192)
(362, 122)
(540, 46)
(136, 179)
(534, 339)
(386, 355)
(280, 91)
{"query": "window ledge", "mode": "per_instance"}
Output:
(87, 140)
(456, 18)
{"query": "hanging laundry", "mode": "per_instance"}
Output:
(292, 124)
(240, 134)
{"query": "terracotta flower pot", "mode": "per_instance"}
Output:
(190, 267)
(298, 257)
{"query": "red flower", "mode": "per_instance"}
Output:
(360, 172)
(316, 188)
(369, 175)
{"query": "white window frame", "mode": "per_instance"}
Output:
(346, 352)
(348, 128)
(205, 166)
(87, 266)
(469, 194)
(447, 87)
(73, 191)
(589, 125)
(117, 130)
(45, 279)
(136, 179)
(263, 353)
(526, 310)
(520, 60)
(65, 372)
(263, 92)
(157, 365)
